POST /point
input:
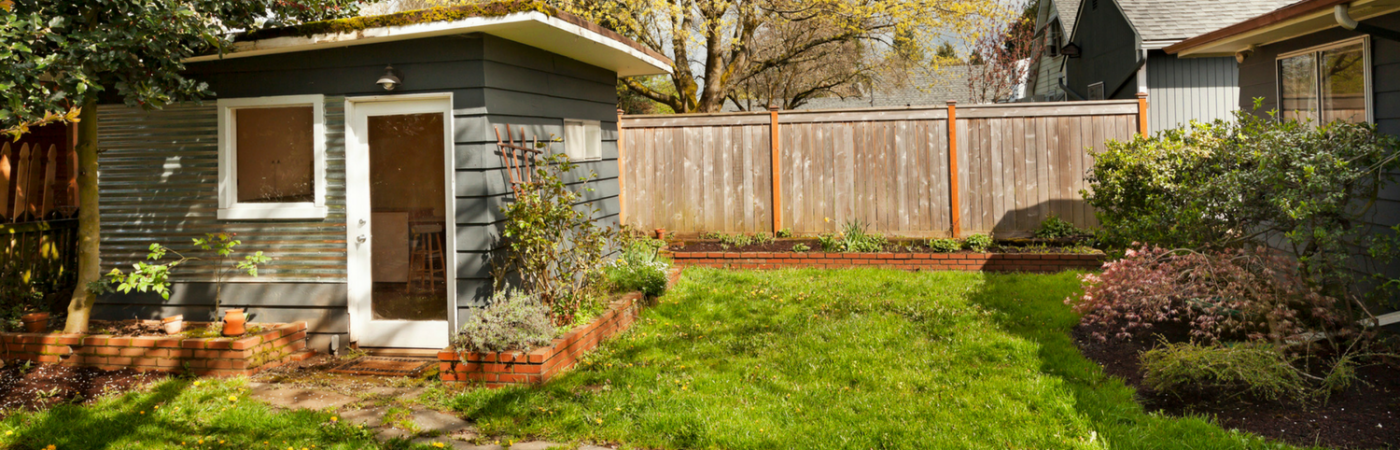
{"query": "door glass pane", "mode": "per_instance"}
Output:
(1344, 84)
(1298, 85)
(275, 154)
(408, 213)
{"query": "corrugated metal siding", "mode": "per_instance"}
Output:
(158, 181)
(1182, 90)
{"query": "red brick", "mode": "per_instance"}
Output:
(193, 343)
(143, 342)
(108, 351)
(119, 360)
(119, 341)
(132, 351)
(96, 340)
(168, 342)
(219, 344)
(62, 350)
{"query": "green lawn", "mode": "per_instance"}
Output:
(846, 359)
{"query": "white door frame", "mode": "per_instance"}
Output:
(357, 224)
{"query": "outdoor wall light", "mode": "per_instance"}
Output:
(390, 79)
(1070, 50)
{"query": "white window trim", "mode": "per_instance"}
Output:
(586, 123)
(229, 207)
(1365, 64)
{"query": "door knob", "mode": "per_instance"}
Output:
(362, 239)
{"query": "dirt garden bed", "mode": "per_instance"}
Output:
(1366, 415)
(269, 346)
(897, 245)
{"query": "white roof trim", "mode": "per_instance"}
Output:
(530, 28)
(1159, 44)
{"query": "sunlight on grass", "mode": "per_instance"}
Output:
(846, 359)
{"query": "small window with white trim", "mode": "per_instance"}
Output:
(1327, 83)
(583, 140)
(1096, 91)
(272, 158)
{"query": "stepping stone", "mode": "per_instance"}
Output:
(372, 417)
(302, 398)
(391, 433)
(535, 445)
(593, 447)
(458, 445)
(433, 420)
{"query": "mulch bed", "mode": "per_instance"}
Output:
(46, 385)
(896, 246)
(1365, 416)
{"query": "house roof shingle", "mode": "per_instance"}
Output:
(1174, 20)
(1067, 9)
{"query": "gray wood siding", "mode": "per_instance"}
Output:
(1182, 90)
(1109, 48)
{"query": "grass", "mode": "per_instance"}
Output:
(181, 414)
(865, 358)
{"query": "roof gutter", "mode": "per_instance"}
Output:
(1344, 19)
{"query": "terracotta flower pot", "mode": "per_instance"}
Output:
(661, 233)
(36, 322)
(173, 324)
(234, 321)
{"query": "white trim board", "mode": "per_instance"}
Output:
(229, 206)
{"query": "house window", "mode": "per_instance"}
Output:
(1096, 91)
(1327, 83)
(583, 140)
(272, 158)
(1052, 39)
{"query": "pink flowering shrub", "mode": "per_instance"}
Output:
(1255, 293)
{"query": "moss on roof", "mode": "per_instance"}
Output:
(439, 14)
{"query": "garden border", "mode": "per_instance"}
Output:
(278, 344)
(987, 262)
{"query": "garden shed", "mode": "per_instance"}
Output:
(361, 156)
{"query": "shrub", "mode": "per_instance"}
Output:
(1054, 227)
(830, 243)
(785, 233)
(639, 268)
(856, 239)
(1256, 293)
(1253, 368)
(554, 246)
(945, 245)
(1253, 181)
(513, 321)
(762, 238)
(979, 243)
(801, 248)
(736, 240)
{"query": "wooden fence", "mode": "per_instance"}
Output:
(42, 256)
(813, 171)
(37, 183)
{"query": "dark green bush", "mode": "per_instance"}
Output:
(1054, 227)
(640, 268)
(979, 243)
(945, 245)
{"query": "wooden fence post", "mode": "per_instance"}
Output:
(621, 172)
(955, 207)
(777, 172)
(1142, 113)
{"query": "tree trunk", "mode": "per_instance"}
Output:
(89, 226)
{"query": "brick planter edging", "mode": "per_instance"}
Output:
(990, 262)
(277, 344)
(499, 369)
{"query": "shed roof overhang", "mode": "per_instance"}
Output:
(1298, 19)
(560, 33)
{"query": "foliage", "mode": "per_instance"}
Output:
(785, 233)
(1054, 227)
(148, 277)
(853, 238)
(1248, 368)
(801, 248)
(979, 243)
(762, 238)
(719, 48)
(830, 243)
(999, 58)
(945, 245)
(639, 268)
(1301, 187)
(554, 246)
(1255, 293)
(513, 321)
(427, 14)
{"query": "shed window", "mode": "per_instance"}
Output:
(1327, 83)
(272, 158)
(583, 140)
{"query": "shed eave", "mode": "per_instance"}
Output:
(1285, 23)
(532, 28)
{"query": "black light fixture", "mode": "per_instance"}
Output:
(1070, 50)
(390, 79)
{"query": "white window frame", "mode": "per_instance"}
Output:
(229, 206)
(593, 150)
(1317, 50)
(1102, 95)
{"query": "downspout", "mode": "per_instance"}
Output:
(1070, 91)
(1142, 61)
(1344, 19)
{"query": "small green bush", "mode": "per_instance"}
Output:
(945, 245)
(513, 321)
(762, 238)
(1054, 227)
(785, 233)
(1247, 368)
(830, 242)
(978, 243)
(856, 239)
(735, 240)
(640, 268)
(801, 248)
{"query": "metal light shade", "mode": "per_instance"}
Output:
(1070, 50)
(389, 80)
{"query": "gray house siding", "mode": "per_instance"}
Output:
(1108, 47)
(1182, 90)
(173, 154)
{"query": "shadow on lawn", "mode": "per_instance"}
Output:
(76, 426)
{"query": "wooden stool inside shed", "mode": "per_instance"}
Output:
(426, 260)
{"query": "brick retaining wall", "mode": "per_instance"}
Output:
(275, 345)
(990, 262)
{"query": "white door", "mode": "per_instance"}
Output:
(400, 220)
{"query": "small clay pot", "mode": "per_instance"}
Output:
(234, 321)
(36, 322)
(661, 233)
(173, 324)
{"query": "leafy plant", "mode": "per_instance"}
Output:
(801, 248)
(736, 240)
(147, 277)
(640, 268)
(762, 238)
(830, 243)
(1246, 368)
(1054, 227)
(945, 245)
(513, 321)
(979, 243)
(785, 233)
(555, 247)
(855, 238)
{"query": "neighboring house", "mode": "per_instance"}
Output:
(379, 206)
(949, 83)
(1053, 20)
(1119, 45)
